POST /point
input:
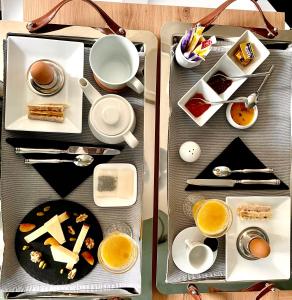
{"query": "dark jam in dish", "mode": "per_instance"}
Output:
(196, 106)
(219, 83)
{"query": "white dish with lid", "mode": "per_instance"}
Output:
(115, 184)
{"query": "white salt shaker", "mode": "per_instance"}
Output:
(189, 151)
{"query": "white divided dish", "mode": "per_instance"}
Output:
(228, 65)
(21, 53)
(277, 265)
(115, 184)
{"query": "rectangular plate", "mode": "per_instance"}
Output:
(21, 53)
(277, 264)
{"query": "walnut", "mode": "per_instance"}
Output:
(81, 218)
(72, 274)
(35, 256)
(89, 243)
(71, 230)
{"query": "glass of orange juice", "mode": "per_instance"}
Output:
(118, 252)
(213, 217)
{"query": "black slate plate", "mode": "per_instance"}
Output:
(51, 274)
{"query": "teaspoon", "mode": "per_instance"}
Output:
(224, 171)
(82, 160)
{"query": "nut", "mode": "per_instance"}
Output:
(35, 256)
(47, 208)
(26, 227)
(72, 239)
(25, 247)
(42, 265)
(40, 213)
(72, 274)
(71, 230)
(89, 243)
(81, 218)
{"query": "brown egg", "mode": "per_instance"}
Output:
(42, 73)
(259, 248)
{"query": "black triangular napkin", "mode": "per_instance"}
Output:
(63, 178)
(237, 156)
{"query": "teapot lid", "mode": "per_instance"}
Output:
(112, 115)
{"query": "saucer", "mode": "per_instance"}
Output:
(179, 251)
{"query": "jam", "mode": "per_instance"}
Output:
(196, 106)
(219, 83)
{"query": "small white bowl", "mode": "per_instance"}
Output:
(234, 124)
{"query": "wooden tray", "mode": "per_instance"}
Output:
(150, 42)
(168, 34)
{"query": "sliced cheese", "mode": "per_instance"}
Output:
(79, 242)
(64, 255)
(43, 229)
(55, 230)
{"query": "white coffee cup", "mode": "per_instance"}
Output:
(111, 117)
(114, 61)
(199, 255)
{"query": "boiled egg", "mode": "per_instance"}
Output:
(42, 72)
(259, 248)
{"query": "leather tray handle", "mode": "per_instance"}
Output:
(262, 287)
(37, 24)
(193, 290)
(269, 32)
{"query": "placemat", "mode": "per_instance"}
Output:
(268, 139)
(22, 188)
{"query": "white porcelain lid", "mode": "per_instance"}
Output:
(111, 115)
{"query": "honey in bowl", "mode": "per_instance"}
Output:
(118, 252)
(213, 218)
(242, 115)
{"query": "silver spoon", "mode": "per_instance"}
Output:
(224, 171)
(242, 76)
(82, 160)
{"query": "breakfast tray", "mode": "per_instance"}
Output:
(14, 281)
(269, 139)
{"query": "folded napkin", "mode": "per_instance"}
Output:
(63, 177)
(238, 156)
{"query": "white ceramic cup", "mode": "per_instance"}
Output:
(199, 255)
(182, 61)
(111, 117)
(114, 61)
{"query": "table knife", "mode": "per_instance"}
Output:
(70, 150)
(230, 182)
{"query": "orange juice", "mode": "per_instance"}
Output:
(117, 252)
(213, 217)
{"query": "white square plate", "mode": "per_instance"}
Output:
(121, 190)
(21, 53)
(277, 264)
